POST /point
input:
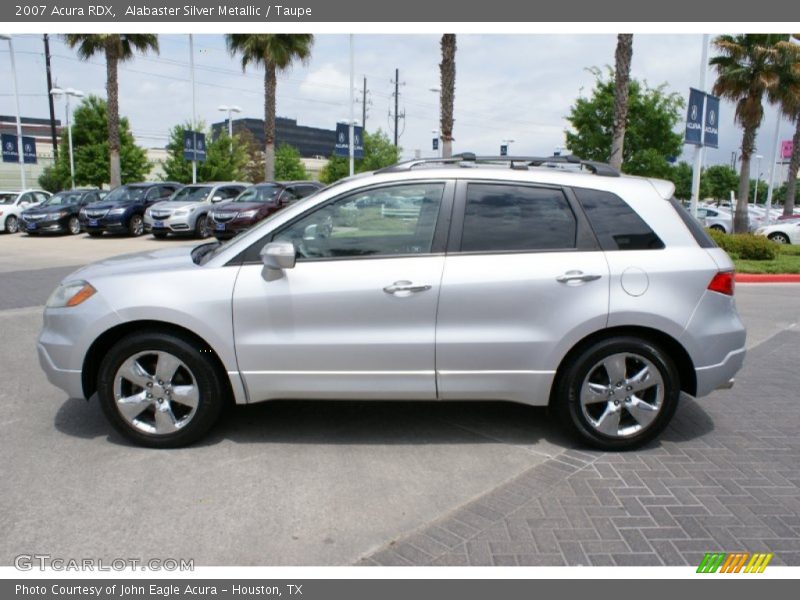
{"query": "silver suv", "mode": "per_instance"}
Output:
(187, 209)
(555, 282)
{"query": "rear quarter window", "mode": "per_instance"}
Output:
(615, 224)
(695, 228)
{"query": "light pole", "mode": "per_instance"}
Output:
(229, 110)
(438, 130)
(758, 177)
(194, 110)
(20, 153)
(58, 92)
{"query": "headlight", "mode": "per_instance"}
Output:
(116, 211)
(148, 213)
(182, 212)
(248, 214)
(69, 294)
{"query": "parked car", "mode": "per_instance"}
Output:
(595, 294)
(784, 232)
(255, 204)
(187, 209)
(13, 203)
(122, 210)
(59, 213)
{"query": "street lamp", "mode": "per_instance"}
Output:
(437, 131)
(20, 153)
(758, 176)
(66, 93)
(229, 110)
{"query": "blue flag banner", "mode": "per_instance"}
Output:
(694, 117)
(9, 142)
(342, 147)
(435, 143)
(504, 150)
(29, 150)
(194, 145)
(711, 129)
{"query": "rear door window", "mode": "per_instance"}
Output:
(615, 223)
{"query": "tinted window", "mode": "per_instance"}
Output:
(259, 193)
(515, 217)
(396, 220)
(125, 194)
(191, 193)
(615, 223)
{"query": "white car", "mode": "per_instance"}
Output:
(13, 203)
(785, 232)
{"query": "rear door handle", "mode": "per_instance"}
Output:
(405, 288)
(576, 277)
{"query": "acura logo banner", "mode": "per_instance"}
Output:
(702, 119)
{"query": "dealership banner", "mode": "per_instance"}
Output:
(408, 11)
(694, 117)
(342, 147)
(711, 128)
(194, 145)
(786, 149)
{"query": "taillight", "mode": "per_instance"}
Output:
(723, 282)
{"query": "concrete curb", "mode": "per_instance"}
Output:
(767, 278)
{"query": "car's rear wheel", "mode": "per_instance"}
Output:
(74, 226)
(12, 225)
(779, 238)
(160, 390)
(136, 226)
(201, 228)
(618, 393)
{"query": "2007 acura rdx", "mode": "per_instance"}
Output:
(554, 282)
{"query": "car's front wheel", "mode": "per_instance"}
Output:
(618, 393)
(136, 226)
(12, 225)
(74, 226)
(779, 238)
(202, 228)
(160, 390)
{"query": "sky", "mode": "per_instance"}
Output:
(517, 86)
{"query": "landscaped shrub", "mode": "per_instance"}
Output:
(745, 245)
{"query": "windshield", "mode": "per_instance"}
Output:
(63, 198)
(8, 198)
(258, 193)
(191, 193)
(124, 194)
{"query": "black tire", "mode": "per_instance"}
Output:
(136, 226)
(572, 375)
(718, 228)
(201, 228)
(779, 238)
(12, 224)
(212, 395)
(160, 235)
(73, 226)
(95, 234)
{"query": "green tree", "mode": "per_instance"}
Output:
(288, 166)
(749, 67)
(275, 52)
(653, 115)
(117, 48)
(681, 176)
(225, 158)
(90, 149)
(720, 180)
(763, 188)
(378, 152)
(254, 166)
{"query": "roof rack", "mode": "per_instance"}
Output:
(515, 162)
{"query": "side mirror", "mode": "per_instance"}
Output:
(278, 255)
(217, 198)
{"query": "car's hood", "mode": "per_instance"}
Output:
(108, 205)
(172, 205)
(154, 261)
(37, 210)
(238, 206)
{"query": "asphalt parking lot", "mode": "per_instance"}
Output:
(310, 483)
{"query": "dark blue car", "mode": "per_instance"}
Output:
(122, 211)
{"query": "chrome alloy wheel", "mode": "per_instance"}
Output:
(622, 395)
(155, 392)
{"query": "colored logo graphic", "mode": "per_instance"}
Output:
(734, 562)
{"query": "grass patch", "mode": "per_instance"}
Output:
(756, 254)
(783, 263)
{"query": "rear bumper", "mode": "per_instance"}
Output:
(719, 376)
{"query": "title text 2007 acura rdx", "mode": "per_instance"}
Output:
(592, 293)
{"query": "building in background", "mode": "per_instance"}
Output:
(35, 128)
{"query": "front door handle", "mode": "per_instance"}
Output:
(405, 288)
(576, 277)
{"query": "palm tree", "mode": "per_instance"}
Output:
(622, 82)
(447, 72)
(787, 96)
(276, 52)
(748, 68)
(117, 48)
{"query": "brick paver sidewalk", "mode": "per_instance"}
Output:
(724, 477)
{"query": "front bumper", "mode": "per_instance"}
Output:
(107, 223)
(68, 380)
(44, 226)
(230, 228)
(171, 224)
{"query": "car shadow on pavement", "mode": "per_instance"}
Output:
(383, 423)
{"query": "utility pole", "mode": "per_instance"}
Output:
(194, 111)
(351, 127)
(396, 99)
(364, 106)
(53, 135)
